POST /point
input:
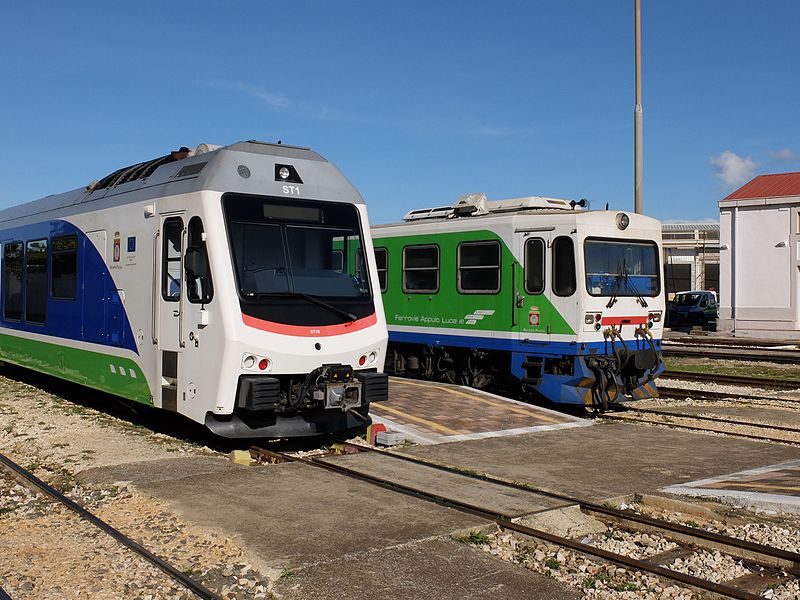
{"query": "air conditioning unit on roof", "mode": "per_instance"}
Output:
(530, 202)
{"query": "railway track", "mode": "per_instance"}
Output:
(704, 340)
(774, 384)
(34, 482)
(712, 396)
(771, 559)
(787, 357)
(766, 427)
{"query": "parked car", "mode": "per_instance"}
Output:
(693, 307)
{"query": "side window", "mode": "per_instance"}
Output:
(421, 269)
(36, 281)
(479, 268)
(337, 260)
(64, 267)
(382, 263)
(12, 281)
(534, 266)
(171, 260)
(199, 287)
(563, 266)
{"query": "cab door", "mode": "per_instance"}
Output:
(532, 304)
(169, 291)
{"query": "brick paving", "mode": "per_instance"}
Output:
(438, 409)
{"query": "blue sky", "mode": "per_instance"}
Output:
(416, 102)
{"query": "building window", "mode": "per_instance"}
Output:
(479, 268)
(64, 268)
(421, 269)
(534, 266)
(382, 263)
(36, 281)
(563, 266)
(199, 287)
(171, 259)
(12, 281)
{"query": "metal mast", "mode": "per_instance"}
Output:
(637, 117)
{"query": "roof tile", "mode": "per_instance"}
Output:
(768, 186)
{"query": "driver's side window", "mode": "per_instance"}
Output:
(171, 259)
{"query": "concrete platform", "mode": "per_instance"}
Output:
(609, 459)
(441, 569)
(430, 413)
(774, 487)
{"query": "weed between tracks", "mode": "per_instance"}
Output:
(741, 368)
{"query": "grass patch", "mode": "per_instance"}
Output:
(477, 538)
(691, 523)
(628, 586)
(591, 582)
(552, 563)
(287, 573)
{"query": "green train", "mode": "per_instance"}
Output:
(531, 293)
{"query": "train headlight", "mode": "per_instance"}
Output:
(248, 362)
(373, 356)
(588, 319)
(283, 173)
(623, 220)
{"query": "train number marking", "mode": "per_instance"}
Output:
(292, 190)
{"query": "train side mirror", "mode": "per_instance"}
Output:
(196, 262)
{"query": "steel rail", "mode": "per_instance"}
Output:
(762, 438)
(727, 342)
(786, 357)
(705, 395)
(167, 568)
(506, 522)
(731, 380)
(665, 413)
(744, 549)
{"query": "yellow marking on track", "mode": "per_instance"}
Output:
(760, 486)
(496, 403)
(431, 424)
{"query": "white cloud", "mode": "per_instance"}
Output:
(268, 98)
(784, 155)
(733, 169)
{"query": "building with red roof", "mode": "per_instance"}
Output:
(760, 258)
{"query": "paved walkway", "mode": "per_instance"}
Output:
(431, 413)
(775, 487)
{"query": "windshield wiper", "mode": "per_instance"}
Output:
(309, 297)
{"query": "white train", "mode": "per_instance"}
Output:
(234, 285)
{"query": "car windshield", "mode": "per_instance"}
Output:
(687, 299)
(621, 268)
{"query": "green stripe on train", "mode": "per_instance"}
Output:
(448, 308)
(112, 374)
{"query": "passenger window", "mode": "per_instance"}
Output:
(563, 266)
(64, 267)
(534, 266)
(171, 260)
(36, 281)
(421, 269)
(199, 286)
(479, 268)
(12, 281)
(382, 263)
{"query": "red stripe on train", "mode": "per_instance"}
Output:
(641, 320)
(306, 331)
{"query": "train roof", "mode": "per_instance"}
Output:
(209, 167)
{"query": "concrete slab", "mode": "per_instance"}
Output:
(610, 459)
(288, 515)
(774, 487)
(505, 500)
(430, 413)
(437, 569)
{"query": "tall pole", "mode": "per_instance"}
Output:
(637, 116)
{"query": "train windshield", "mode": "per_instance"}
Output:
(621, 268)
(289, 254)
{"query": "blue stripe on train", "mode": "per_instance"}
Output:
(554, 348)
(97, 314)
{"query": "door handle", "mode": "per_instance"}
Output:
(520, 302)
(176, 313)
